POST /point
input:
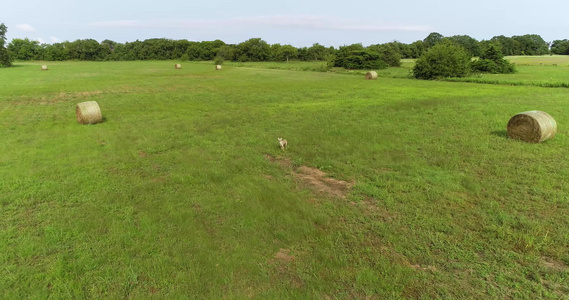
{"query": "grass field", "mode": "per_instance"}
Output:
(183, 193)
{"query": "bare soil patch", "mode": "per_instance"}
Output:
(317, 180)
(553, 264)
(424, 268)
(283, 256)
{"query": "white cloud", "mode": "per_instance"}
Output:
(42, 41)
(26, 28)
(284, 21)
(53, 39)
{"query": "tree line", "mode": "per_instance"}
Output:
(256, 49)
(354, 56)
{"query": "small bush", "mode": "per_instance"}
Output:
(218, 60)
(443, 60)
(5, 59)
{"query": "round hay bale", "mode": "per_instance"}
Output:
(371, 75)
(532, 126)
(218, 67)
(44, 68)
(178, 66)
(88, 113)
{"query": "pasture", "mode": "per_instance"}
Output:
(389, 188)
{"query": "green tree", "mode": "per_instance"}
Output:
(532, 44)
(228, 52)
(88, 49)
(109, 44)
(443, 60)
(25, 49)
(254, 49)
(5, 59)
(492, 61)
(276, 53)
(403, 50)
(180, 48)
(417, 48)
(195, 51)
(123, 52)
(357, 57)
(289, 52)
(432, 39)
(388, 54)
(317, 52)
(560, 47)
(56, 52)
(470, 44)
(302, 54)
(508, 46)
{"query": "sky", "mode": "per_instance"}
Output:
(296, 22)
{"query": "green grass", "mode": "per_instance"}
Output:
(171, 197)
(543, 71)
(293, 65)
(545, 60)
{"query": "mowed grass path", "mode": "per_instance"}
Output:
(172, 196)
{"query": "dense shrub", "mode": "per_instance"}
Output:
(359, 58)
(362, 59)
(388, 54)
(492, 61)
(445, 59)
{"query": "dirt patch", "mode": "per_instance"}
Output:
(318, 181)
(424, 268)
(315, 178)
(370, 206)
(283, 269)
(553, 264)
(283, 256)
(285, 162)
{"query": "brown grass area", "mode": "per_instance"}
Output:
(60, 97)
(552, 264)
(283, 256)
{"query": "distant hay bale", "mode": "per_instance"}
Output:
(178, 66)
(532, 126)
(218, 67)
(44, 68)
(88, 113)
(371, 75)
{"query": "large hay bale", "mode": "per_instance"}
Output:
(532, 126)
(88, 113)
(218, 67)
(371, 75)
(44, 68)
(178, 66)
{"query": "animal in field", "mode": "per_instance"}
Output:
(282, 143)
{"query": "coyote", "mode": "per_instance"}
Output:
(283, 143)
